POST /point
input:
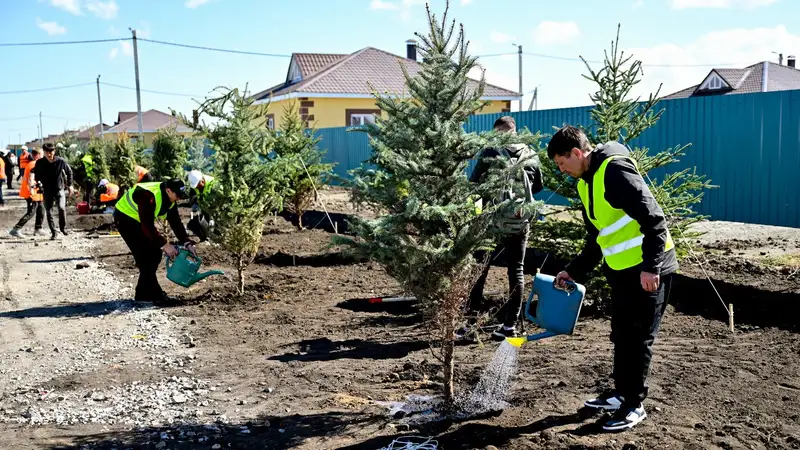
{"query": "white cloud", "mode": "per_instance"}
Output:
(52, 28)
(195, 3)
(127, 48)
(499, 37)
(744, 4)
(104, 10)
(380, 4)
(72, 6)
(737, 48)
(113, 53)
(554, 33)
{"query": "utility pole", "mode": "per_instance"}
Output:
(519, 56)
(138, 92)
(41, 130)
(99, 108)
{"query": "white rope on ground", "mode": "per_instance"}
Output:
(314, 185)
(407, 443)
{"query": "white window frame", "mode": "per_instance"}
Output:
(270, 123)
(713, 82)
(361, 119)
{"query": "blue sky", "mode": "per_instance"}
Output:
(677, 33)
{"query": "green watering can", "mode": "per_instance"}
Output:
(183, 269)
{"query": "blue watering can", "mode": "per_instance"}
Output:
(183, 269)
(557, 310)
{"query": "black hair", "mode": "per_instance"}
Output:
(49, 147)
(565, 139)
(177, 186)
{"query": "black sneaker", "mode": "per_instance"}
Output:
(501, 333)
(625, 418)
(65, 232)
(607, 402)
(53, 237)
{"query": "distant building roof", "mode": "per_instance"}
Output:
(351, 76)
(744, 81)
(152, 120)
(92, 131)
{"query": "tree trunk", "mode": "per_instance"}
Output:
(448, 350)
(240, 270)
(299, 219)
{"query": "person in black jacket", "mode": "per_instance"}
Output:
(639, 260)
(511, 246)
(55, 175)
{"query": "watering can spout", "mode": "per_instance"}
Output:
(199, 276)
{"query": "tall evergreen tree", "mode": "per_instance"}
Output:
(619, 116)
(292, 140)
(430, 225)
(196, 156)
(122, 166)
(249, 184)
(169, 154)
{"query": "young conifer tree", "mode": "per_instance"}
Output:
(430, 224)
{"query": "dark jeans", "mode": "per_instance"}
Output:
(59, 199)
(9, 175)
(146, 254)
(200, 226)
(635, 320)
(2, 202)
(33, 207)
(512, 248)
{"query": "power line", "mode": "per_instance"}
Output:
(147, 90)
(25, 91)
(567, 58)
(198, 47)
(11, 119)
(28, 44)
(495, 54)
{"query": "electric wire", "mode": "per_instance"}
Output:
(214, 49)
(54, 88)
(30, 44)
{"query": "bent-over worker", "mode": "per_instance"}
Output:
(201, 186)
(107, 193)
(135, 217)
(627, 229)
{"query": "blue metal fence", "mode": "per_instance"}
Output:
(748, 145)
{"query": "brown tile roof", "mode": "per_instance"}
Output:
(311, 63)
(125, 115)
(749, 80)
(351, 74)
(152, 120)
(89, 132)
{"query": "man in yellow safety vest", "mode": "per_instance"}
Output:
(627, 229)
(134, 217)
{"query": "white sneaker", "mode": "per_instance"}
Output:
(40, 232)
(16, 232)
(625, 419)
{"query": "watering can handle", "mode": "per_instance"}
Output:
(570, 286)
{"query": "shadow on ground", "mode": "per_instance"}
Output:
(324, 349)
(73, 310)
(265, 432)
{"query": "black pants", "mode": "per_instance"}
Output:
(2, 201)
(9, 175)
(33, 208)
(635, 320)
(146, 254)
(88, 187)
(200, 226)
(512, 249)
(59, 199)
(20, 174)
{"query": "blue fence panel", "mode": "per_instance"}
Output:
(748, 145)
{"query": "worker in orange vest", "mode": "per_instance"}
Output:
(24, 159)
(3, 153)
(108, 193)
(143, 175)
(32, 194)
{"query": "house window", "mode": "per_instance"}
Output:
(359, 117)
(270, 122)
(713, 82)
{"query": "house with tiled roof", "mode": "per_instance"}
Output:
(152, 121)
(333, 90)
(762, 77)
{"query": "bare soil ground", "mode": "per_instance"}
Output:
(302, 361)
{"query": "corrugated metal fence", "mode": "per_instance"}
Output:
(748, 145)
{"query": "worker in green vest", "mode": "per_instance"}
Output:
(134, 217)
(627, 229)
(88, 176)
(201, 223)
